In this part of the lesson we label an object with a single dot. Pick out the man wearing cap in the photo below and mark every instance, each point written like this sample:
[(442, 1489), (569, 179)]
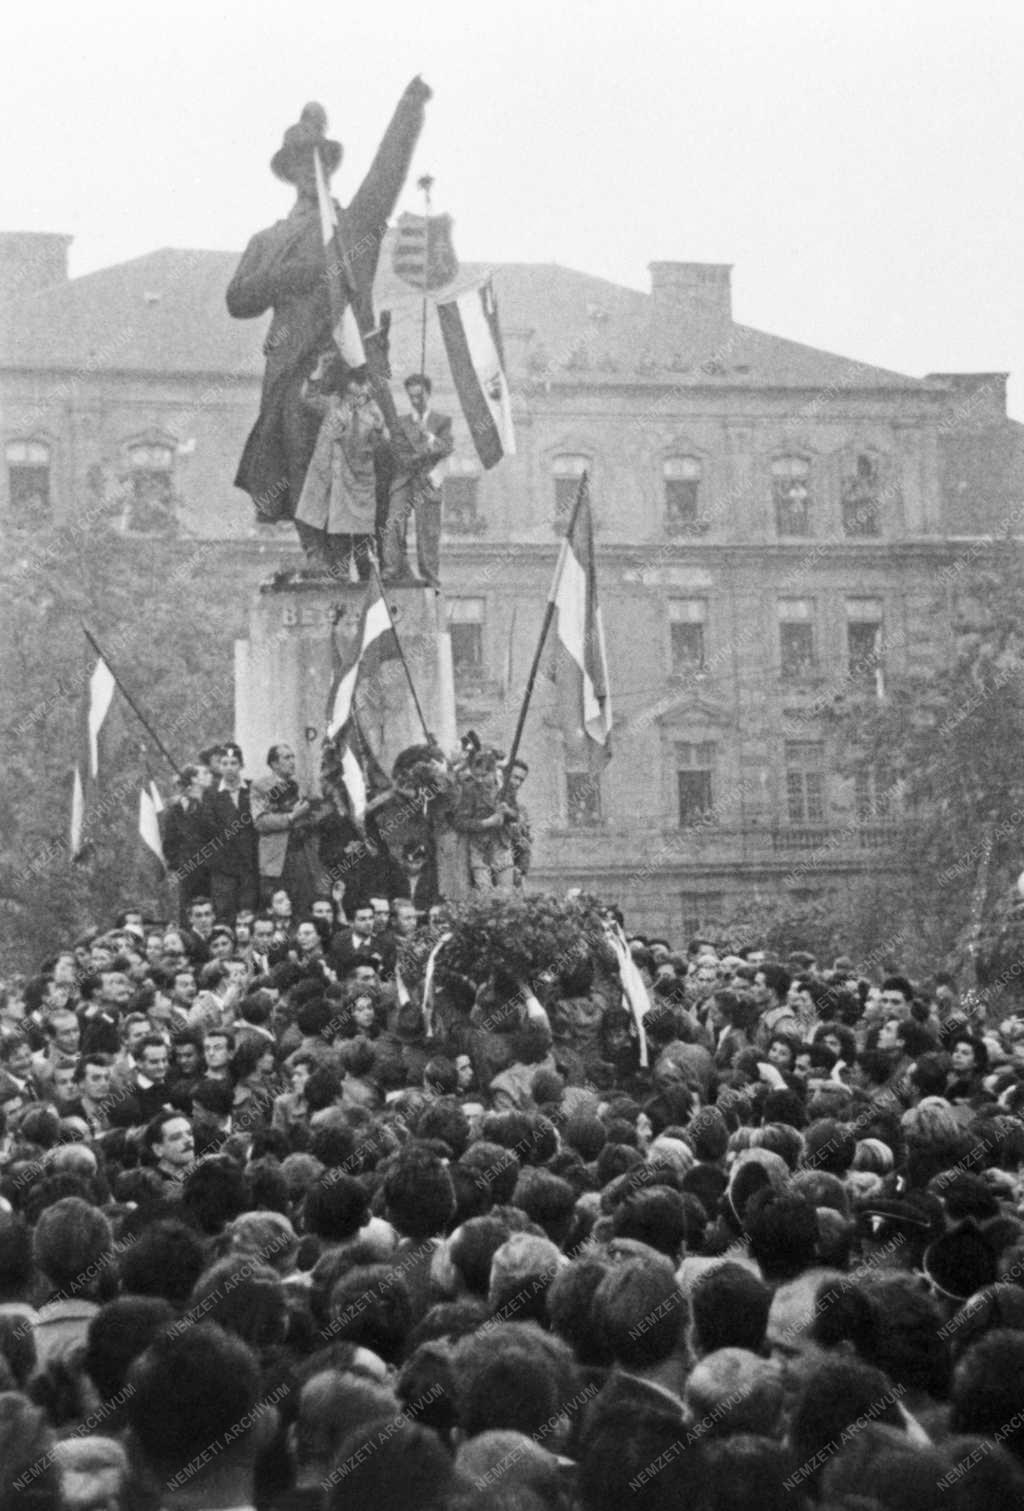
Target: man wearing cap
[(284, 268)]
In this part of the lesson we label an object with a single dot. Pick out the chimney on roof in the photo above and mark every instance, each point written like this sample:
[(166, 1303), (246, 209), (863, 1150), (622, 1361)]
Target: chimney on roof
[(32, 260), (975, 396), (693, 298)]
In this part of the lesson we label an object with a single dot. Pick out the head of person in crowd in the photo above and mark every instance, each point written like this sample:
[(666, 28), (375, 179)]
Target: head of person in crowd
[(213, 1379)]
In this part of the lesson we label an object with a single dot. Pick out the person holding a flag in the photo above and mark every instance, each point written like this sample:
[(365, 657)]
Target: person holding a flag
[(336, 515)]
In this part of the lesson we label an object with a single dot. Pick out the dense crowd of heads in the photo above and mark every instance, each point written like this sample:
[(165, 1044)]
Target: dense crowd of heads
[(276, 1232)]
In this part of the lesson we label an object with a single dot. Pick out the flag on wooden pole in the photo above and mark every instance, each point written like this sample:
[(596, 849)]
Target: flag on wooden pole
[(373, 643), (99, 694), (472, 339), (581, 664), (151, 806), (345, 326)]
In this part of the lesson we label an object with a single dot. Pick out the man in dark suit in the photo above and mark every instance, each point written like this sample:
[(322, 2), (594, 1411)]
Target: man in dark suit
[(356, 944), (231, 840), (418, 486), (183, 840)]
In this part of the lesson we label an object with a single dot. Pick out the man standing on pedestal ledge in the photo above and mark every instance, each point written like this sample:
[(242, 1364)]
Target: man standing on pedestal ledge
[(283, 820), (429, 435), (285, 269)]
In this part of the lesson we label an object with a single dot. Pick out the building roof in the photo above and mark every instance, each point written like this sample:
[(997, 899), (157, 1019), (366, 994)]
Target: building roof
[(164, 313)]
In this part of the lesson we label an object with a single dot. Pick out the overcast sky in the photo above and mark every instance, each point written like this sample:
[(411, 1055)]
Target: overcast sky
[(860, 164)]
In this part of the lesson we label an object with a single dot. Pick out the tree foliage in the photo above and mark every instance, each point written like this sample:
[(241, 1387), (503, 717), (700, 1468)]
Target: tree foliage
[(167, 613), (946, 748)]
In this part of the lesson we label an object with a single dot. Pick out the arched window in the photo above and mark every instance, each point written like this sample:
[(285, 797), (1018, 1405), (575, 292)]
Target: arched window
[(28, 480), (682, 479), (567, 470), (791, 492)]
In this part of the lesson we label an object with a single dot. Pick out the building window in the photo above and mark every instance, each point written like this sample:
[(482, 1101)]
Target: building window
[(28, 481), (796, 638), (805, 781), (461, 496), (860, 495), (151, 488), (466, 628), (874, 795), (792, 495), (682, 478), (687, 629), (864, 643), (568, 469), (695, 767), (582, 798), (700, 910)]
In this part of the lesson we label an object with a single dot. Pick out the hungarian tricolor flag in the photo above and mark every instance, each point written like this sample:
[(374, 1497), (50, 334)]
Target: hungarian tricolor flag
[(472, 339), (346, 328), (151, 806), (95, 707), (374, 642), (581, 664)]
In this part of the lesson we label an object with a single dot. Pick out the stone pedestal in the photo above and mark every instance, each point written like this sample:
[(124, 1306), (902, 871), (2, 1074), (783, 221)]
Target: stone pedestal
[(284, 672)]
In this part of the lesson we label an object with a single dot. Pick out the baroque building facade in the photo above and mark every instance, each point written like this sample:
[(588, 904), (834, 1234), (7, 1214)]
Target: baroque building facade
[(776, 527)]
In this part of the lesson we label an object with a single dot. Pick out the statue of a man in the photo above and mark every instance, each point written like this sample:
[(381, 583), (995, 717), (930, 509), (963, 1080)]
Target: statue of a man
[(285, 269)]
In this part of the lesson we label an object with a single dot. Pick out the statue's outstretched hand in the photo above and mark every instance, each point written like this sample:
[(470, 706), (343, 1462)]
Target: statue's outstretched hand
[(419, 89)]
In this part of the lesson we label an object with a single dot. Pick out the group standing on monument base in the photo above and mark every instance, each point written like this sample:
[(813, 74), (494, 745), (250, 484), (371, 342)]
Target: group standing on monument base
[(441, 830), (279, 1229)]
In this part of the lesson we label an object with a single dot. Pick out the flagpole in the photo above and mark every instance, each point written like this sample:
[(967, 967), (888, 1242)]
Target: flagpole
[(335, 271), (549, 614), (136, 710), (401, 652), (426, 183)]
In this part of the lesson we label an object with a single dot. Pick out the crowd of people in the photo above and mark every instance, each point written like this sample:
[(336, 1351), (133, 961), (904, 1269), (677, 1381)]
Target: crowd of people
[(284, 1225)]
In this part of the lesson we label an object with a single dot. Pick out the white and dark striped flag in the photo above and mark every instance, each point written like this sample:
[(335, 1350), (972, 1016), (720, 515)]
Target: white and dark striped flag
[(472, 339), (581, 663), (373, 643), (346, 328), (96, 705), (151, 805)]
